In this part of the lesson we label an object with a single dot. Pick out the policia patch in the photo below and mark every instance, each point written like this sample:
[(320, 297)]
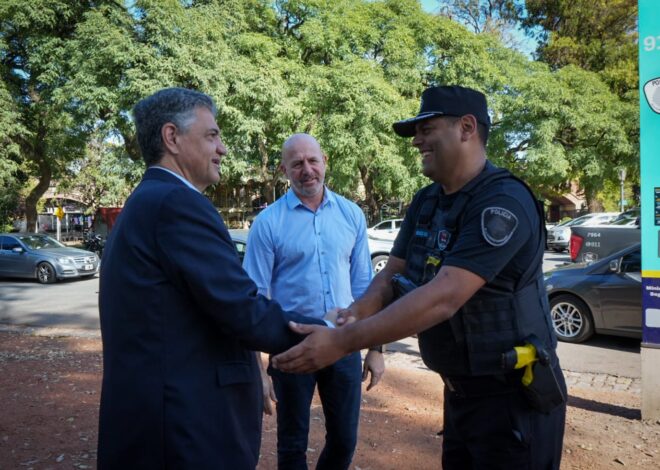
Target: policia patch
[(498, 225)]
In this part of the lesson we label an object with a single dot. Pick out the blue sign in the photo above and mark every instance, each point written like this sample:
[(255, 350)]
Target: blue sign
[(649, 108)]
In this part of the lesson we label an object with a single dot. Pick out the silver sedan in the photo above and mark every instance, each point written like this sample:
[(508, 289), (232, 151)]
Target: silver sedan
[(38, 256)]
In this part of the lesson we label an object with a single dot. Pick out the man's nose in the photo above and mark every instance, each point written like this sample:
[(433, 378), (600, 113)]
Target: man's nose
[(416, 140), (306, 167), (220, 148)]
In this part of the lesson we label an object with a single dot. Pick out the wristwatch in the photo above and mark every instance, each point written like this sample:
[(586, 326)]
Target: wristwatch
[(380, 349)]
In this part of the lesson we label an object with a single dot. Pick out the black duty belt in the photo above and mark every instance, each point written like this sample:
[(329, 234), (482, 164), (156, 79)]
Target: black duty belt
[(468, 387)]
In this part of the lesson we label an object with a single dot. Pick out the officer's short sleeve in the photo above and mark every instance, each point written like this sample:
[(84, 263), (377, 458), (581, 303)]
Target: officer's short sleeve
[(495, 228)]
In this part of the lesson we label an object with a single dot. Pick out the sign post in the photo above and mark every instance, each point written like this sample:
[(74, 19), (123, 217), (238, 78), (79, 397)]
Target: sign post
[(649, 82), (59, 212)]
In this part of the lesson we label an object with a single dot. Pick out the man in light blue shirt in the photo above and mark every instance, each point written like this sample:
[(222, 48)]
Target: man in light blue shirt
[(309, 252)]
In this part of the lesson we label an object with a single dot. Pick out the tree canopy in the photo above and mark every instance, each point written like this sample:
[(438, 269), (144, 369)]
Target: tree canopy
[(342, 70)]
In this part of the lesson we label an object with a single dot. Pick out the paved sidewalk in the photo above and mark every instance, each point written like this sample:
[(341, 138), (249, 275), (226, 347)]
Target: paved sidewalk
[(606, 382)]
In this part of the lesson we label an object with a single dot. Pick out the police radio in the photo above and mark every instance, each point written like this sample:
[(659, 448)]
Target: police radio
[(402, 285)]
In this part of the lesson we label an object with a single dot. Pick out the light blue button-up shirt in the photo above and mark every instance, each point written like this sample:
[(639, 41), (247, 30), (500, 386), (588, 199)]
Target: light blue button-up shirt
[(310, 262)]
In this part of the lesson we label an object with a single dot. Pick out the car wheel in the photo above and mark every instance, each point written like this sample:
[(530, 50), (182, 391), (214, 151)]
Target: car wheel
[(557, 250), (45, 273), (571, 319), (379, 262)]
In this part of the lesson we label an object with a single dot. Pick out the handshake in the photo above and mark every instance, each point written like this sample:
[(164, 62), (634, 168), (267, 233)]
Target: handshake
[(340, 316)]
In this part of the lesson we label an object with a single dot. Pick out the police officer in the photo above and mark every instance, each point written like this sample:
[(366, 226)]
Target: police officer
[(467, 277)]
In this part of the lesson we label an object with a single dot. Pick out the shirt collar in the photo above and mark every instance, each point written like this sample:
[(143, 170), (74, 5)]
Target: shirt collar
[(293, 201), (185, 181)]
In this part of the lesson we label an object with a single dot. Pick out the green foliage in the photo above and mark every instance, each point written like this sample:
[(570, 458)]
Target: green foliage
[(342, 70), (596, 35), (104, 177), (40, 124)]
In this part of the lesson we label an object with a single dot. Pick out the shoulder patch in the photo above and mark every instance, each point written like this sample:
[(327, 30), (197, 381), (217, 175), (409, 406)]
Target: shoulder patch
[(498, 225)]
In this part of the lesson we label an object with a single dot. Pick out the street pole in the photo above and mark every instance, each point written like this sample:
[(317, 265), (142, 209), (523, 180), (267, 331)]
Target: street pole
[(622, 179)]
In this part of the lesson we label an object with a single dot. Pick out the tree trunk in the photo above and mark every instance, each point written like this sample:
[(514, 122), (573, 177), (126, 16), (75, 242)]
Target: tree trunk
[(593, 203), (35, 150), (267, 180), (45, 176), (370, 197)]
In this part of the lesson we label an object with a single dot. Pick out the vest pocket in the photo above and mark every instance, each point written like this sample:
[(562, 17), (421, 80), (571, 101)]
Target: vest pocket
[(488, 334)]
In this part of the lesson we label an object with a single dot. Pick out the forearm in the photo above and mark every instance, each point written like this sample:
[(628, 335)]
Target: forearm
[(417, 311), (379, 294)]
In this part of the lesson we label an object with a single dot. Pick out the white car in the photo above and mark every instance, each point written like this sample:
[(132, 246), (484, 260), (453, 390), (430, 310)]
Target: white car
[(380, 253), (385, 230), (559, 236), (378, 249)]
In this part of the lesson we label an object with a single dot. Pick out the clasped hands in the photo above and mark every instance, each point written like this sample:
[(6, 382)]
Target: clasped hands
[(324, 346), (340, 316)]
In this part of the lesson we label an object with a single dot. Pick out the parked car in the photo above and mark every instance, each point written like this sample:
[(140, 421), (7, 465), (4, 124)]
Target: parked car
[(602, 297), (378, 249), (589, 244), (629, 218), (239, 237), (380, 253), (559, 236), (385, 230), (38, 256)]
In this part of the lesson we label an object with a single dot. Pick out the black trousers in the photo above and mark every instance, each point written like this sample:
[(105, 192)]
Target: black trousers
[(501, 432)]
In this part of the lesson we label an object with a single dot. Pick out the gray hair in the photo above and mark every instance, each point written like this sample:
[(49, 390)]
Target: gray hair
[(175, 105)]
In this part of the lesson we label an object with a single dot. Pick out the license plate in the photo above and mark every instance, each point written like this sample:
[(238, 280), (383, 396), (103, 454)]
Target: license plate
[(88, 267)]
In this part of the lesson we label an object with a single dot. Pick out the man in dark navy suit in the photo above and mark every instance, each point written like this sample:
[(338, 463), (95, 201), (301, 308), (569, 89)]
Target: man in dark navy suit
[(179, 316)]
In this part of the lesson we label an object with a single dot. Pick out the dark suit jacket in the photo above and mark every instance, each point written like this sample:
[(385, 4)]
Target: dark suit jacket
[(179, 318)]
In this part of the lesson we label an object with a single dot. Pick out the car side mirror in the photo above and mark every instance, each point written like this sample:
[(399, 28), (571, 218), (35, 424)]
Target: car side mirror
[(17, 249), (614, 265)]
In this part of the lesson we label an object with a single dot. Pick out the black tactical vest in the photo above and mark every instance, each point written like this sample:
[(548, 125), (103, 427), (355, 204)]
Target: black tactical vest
[(495, 319)]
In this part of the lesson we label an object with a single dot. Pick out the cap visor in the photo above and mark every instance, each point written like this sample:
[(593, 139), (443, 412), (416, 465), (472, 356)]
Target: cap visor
[(406, 128)]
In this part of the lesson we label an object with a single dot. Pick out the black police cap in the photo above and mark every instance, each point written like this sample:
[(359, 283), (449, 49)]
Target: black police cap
[(446, 101)]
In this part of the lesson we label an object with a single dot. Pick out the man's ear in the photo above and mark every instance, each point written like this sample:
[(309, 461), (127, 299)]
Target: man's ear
[(468, 127), (282, 168), (169, 136)]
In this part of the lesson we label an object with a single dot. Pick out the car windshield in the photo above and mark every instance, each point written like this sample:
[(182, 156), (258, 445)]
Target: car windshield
[(623, 221), (40, 242), (626, 217), (578, 221), (564, 223)]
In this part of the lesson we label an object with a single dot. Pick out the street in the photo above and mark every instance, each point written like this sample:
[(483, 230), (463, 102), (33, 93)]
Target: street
[(67, 304), (74, 305)]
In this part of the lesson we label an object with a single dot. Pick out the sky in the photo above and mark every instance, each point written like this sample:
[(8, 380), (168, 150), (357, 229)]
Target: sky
[(526, 45)]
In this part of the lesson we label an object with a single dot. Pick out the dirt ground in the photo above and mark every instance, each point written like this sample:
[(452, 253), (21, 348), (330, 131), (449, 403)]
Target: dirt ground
[(49, 394)]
